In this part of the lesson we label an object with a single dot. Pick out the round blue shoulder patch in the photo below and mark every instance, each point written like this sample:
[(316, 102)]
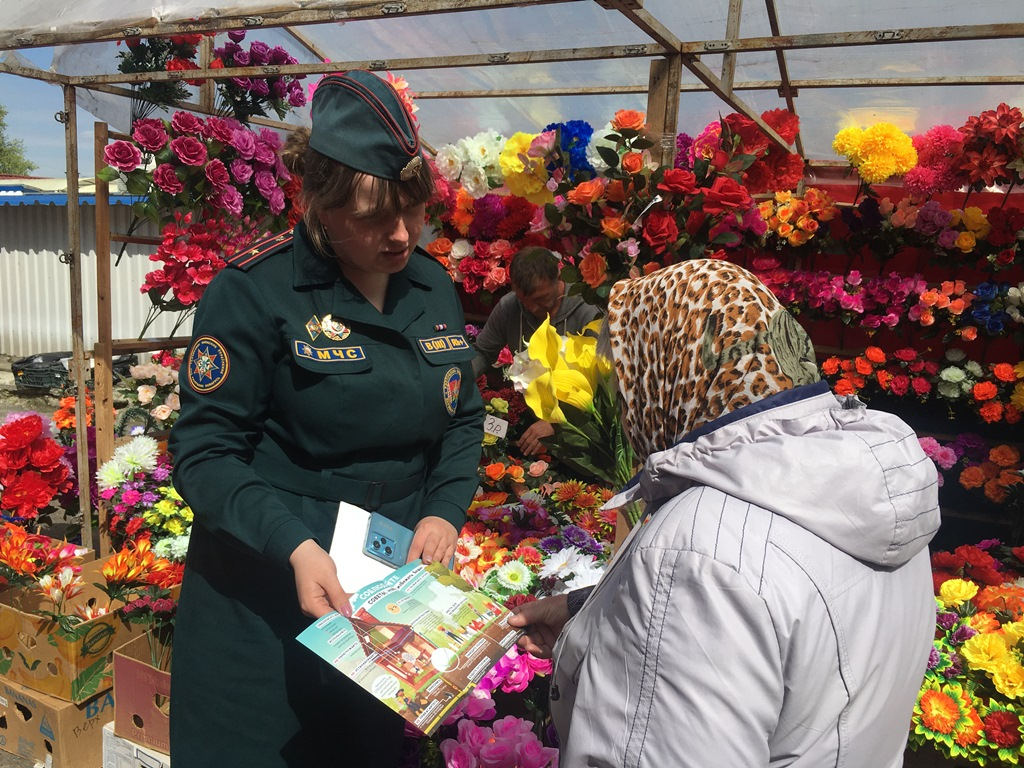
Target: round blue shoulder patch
[(452, 385), (208, 364)]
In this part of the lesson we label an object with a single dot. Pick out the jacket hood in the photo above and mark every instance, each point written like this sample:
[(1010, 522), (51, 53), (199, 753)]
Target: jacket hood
[(855, 477)]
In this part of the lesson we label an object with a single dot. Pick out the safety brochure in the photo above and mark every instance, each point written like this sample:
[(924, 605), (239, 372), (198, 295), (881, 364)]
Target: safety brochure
[(419, 640)]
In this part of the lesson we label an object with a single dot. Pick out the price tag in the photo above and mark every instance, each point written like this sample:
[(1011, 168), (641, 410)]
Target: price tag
[(495, 426)]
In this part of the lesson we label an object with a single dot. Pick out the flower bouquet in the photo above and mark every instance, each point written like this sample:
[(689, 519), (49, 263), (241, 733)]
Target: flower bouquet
[(34, 470), (969, 705), (136, 484), (151, 395), (175, 53), (566, 383), (244, 97)]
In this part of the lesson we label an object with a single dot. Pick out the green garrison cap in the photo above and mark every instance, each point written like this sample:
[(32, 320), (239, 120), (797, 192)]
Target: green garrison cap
[(359, 120)]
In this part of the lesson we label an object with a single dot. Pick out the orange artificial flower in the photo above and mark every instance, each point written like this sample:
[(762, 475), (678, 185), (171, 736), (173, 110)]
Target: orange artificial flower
[(957, 306), (462, 214), (495, 471), (983, 622), (984, 390), (439, 248), (968, 333), (844, 387), (863, 366), (629, 120), (1004, 372), (875, 355), (972, 477), (593, 269), (615, 227), (991, 412), (586, 192), (1004, 455), (884, 378), (517, 473), (650, 267), (995, 492), (926, 318), (831, 366), (632, 162), (616, 191)]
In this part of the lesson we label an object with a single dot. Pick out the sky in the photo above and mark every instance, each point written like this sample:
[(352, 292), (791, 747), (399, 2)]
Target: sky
[(31, 105)]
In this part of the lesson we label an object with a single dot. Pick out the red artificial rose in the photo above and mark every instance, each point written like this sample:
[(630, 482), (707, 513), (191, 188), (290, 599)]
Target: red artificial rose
[(678, 181), (921, 386), (948, 561), (1006, 257), (660, 230), (122, 155), (515, 600), (150, 134), (695, 221), (189, 150), (906, 354), (217, 174), (899, 385), (725, 195)]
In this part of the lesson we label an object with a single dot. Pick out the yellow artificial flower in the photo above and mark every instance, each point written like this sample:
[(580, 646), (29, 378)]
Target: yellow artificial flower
[(1008, 677), (1017, 396), (966, 241), (985, 652), (498, 405), (847, 142), (540, 397), (1014, 630), (956, 591), (528, 181)]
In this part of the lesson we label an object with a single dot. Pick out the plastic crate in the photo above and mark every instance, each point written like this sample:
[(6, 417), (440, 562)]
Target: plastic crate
[(49, 370)]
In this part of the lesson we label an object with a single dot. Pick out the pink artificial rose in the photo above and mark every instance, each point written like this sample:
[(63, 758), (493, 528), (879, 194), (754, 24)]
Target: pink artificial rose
[(244, 141), (498, 753), (531, 753), (190, 150), (271, 138), (241, 171), (504, 357), (537, 468), (473, 736), (276, 201), (217, 174), (265, 182), (218, 129), (542, 144), (511, 727), (123, 156), (167, 180), (264, 153), (502, 249), (495, 279), (457, 755), (187, 123), (230, 200), (150, 134), (479, 705)]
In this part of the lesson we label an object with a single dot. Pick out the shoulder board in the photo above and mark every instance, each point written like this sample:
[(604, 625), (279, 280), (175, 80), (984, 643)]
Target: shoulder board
[(248, 258)]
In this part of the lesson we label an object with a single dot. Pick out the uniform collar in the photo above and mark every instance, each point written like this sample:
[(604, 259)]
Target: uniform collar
[(310, 268)]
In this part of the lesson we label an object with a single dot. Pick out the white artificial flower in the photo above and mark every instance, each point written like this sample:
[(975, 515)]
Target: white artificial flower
[(461, 248), (562, 563), (474, 180), (955, 355), (161, 412), (974, 368), (952, 374), (523, 370), (164, 376), (173, 401), (146, 393), (514, 576), (111, 475), (484, 150), (173, 548), (599, 140), (587, 576), (138, 455), (949, 390), (449, 162)]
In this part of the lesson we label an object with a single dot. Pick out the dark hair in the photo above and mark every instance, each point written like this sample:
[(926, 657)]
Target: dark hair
[(533, 265), (328, 184)]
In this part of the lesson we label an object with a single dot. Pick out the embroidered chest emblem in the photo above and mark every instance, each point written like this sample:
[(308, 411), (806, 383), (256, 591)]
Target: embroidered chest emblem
[(452, 385)]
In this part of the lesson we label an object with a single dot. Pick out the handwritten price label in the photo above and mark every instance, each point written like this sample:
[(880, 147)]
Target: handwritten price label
[(495, 426)]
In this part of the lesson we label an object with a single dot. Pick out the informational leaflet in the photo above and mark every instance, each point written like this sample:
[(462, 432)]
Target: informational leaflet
[(419, 640)]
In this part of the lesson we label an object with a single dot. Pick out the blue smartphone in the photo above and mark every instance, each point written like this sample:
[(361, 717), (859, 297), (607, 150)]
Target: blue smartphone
[(387, 541)]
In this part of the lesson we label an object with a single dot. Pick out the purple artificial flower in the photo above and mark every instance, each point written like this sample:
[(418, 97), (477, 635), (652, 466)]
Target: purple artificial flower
[(946, 620), (161, 473), (260, 87), (279, 89), (683, 143), (230, 200), (934, 658), (551, 544), (962, 634), (241, 58), (237, 35), (988, 544), (577, 537), (149, 498), (277, 201), (259, 53), (242, 82), (296, 96), (264, 153), (271, 138)]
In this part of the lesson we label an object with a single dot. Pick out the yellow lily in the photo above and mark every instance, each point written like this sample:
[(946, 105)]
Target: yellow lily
[(540, 397)]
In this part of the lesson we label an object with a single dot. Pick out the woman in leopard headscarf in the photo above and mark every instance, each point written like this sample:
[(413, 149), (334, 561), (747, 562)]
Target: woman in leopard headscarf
[(775, 605)]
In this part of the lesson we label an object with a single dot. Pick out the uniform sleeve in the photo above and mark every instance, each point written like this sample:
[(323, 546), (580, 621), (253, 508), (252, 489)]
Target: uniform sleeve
[(495, 335), (708, 686), (212, 441), (452, 464)]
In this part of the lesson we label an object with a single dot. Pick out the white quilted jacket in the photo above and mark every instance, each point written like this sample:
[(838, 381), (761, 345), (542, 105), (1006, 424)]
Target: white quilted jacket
[(775, 609)]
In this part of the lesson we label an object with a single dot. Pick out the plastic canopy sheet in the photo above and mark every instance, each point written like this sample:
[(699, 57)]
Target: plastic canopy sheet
[(584, 24)]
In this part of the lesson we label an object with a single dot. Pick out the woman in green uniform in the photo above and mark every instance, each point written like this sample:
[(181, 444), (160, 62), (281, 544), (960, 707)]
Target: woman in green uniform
[(327, 364)]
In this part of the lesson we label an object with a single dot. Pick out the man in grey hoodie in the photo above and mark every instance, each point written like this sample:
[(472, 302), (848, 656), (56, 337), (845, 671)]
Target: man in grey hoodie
[(774, 606)]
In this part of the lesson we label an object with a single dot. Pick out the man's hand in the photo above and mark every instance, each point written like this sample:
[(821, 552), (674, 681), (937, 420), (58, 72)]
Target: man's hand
[(316, 581), (543, 620), (530, 443), (433, 541)]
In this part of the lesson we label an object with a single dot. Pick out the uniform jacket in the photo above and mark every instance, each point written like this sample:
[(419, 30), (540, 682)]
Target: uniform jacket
[(297, 394), (773, 609)]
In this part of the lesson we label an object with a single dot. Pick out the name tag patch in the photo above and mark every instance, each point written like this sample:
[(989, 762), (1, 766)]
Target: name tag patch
[(329, 354), (437, 344)]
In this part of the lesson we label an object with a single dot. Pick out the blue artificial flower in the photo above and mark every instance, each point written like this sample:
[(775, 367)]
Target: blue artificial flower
[(985, 291)]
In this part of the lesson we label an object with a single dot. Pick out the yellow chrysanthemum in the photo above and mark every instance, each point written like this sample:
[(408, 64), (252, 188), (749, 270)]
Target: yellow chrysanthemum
[(985, 652), (956, 591), (1014, 630), (880, 151), (1017, 396), (527, 181), (1008, 677), (847, 142)]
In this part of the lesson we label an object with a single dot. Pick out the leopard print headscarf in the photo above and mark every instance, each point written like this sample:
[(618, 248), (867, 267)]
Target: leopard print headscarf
[(697, 340)]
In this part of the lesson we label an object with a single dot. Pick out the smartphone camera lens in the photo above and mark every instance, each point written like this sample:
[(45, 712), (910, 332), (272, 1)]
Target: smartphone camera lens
[(376, 544), (388, 550)]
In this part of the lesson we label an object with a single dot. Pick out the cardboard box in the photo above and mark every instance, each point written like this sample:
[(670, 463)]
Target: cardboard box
[(52, 732), (72, 665), (143, 694), (119, 752)]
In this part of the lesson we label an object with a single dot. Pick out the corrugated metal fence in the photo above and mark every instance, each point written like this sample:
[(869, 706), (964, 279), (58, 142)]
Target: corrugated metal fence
[(35, 287)]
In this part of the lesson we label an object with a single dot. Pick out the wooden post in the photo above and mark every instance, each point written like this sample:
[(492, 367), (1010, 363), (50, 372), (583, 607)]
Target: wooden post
[(732, 32), (79, 366), (663, 107), (103, 375), (207, 89)]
